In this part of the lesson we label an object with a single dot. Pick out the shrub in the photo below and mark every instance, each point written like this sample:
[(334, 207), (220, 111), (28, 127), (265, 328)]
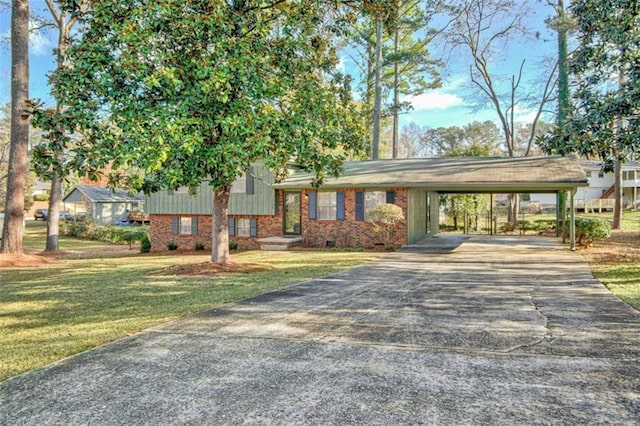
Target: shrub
[(145, 244), (384, 218), (111, 234), (41, 197), (590, 229), (199, 246), (171, 245), (233, 245), (129, 235)]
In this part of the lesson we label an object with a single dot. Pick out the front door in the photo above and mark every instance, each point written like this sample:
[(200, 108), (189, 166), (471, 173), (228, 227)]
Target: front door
[(292, 213)]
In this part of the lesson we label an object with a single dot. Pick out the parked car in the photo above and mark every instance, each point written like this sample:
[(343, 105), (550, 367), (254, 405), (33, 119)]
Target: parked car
[(43, 214)]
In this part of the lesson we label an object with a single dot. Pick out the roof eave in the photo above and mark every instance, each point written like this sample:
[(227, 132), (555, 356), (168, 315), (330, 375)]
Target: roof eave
[(450, 187)]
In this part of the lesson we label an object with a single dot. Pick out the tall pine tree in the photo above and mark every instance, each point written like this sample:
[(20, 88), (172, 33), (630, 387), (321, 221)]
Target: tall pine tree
[(605, 70)]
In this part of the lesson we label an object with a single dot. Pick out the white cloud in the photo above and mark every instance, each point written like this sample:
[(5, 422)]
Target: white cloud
[(39, 44), (434, 101), (525, 116)]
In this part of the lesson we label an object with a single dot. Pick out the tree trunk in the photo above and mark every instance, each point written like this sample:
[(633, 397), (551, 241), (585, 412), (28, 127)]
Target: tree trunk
[(564, 100), (64, 26), (378, 93), (220, 227), (12, 233), (617, 187), (53, 225), (396, 94), (514, 209)]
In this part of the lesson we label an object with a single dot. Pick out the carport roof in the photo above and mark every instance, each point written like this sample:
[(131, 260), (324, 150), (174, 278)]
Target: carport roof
[(456, 174)]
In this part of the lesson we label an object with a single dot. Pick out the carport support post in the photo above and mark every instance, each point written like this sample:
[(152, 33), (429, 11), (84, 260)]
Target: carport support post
[(491, 215), (434, 213), (572, 225), (558, 216)]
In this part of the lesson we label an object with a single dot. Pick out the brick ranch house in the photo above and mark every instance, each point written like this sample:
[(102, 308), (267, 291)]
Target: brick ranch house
[(263, 212)]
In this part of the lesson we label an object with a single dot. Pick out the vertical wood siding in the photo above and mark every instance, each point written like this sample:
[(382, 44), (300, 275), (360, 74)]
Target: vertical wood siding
[(261, 202), (416, 215)]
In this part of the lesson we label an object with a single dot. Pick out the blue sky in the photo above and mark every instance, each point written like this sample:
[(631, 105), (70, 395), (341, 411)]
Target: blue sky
[(447, 106)]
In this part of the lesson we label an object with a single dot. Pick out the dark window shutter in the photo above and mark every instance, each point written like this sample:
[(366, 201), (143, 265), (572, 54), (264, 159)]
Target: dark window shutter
[(277, 207), (174, 225), (249, 181), (232, 227), (340, 205), (253, 227), (359, 205), (313, 205), (391, 197), (194, 225)]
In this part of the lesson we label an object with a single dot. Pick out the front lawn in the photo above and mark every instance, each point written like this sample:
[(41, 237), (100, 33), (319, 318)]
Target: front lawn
[(74, 304), (623, 281), (616, 262)]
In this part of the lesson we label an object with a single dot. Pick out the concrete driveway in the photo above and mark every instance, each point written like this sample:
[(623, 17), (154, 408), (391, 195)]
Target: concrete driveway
[(452, 331)]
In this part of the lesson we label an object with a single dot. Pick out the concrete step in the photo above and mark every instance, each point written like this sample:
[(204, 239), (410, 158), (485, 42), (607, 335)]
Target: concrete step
[(278, 243)]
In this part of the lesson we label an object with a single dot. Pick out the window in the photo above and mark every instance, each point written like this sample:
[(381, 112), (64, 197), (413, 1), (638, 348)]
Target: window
[(601, 174), (327, 205), (239, 186), (368, 200), (588, 173), (243, 227), (184, 227), (244, 184), (373, 199), (628, 175)]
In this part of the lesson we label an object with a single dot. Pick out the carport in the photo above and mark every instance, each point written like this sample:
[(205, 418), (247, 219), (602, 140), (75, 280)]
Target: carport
[(504, 175), (424, 179)]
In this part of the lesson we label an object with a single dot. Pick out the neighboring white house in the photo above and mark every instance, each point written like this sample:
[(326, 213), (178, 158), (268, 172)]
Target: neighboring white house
[(599, 194), (102, 204)]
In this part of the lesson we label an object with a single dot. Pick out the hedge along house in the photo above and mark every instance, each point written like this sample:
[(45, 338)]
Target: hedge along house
[(262, 212)]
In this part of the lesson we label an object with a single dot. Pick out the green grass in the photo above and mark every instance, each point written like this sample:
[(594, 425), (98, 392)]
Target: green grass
[(621, 280), (68, 306), (34, 239)]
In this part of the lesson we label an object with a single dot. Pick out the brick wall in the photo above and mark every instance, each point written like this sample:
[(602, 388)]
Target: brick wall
[(349, 232), (161, 232), (315, 233)]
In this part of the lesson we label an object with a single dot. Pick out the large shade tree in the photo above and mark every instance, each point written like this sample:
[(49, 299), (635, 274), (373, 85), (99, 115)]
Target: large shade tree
[(12, 232), (199, 90), (605, 119), (47, 119)]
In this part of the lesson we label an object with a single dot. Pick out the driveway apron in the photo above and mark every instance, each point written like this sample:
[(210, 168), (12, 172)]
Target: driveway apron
[(454, 330)]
